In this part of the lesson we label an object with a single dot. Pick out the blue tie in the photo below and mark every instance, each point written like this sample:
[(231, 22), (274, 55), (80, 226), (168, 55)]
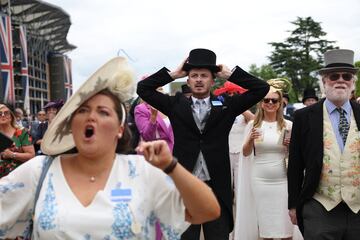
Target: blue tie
[(202, 109), (343, 125)]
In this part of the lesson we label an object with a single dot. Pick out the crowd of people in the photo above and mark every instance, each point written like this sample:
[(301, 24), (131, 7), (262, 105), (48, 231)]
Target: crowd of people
[(239, 162)]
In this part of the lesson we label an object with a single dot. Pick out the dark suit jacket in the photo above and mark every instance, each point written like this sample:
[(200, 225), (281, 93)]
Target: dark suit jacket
[(306, 154), (213, 141)]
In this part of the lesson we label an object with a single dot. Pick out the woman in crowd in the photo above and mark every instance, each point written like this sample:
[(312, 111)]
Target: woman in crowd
[(98, 193), (153, 124), (265, 149), (22, 148)]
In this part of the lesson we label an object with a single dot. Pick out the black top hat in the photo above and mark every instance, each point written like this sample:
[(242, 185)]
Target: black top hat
[(201, 58), (339, 60), (309, 93), (185, 89)]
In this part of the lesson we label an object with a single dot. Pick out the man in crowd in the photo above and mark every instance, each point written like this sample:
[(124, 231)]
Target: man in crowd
[(201, 126), (324, 161), (309, 97), (20, 120), (185, 89), (38, 129), (288, 108)]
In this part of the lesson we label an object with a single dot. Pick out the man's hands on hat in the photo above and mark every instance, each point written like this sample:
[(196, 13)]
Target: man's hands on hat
[(179, 72), (224, 72)]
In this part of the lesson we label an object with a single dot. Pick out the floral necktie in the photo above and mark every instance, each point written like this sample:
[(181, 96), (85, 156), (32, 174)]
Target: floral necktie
[(343, 125)]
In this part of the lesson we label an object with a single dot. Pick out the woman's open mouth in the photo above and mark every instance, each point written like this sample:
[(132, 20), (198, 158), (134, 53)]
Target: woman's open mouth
[(89, 131)]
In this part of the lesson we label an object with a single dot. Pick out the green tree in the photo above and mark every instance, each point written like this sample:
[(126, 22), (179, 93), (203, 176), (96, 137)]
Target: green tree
[(265, 71), (357, 83), (301, 54), (219, 82)]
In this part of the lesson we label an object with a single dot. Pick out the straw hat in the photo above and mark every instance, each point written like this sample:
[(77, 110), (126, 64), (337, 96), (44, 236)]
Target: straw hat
[(116, 75)]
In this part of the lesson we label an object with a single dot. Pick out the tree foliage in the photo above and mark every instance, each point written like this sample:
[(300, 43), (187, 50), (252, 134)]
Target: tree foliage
[(357, 83), (219, 82), (264, 72), (301, 54)]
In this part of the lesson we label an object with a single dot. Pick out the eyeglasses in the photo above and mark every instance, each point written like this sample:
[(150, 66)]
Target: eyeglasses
[(336, 76), (272, 100), (5, 113)]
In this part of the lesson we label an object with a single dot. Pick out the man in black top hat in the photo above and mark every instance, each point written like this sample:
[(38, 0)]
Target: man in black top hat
[(309, 97), (201, 126), (323, 170)]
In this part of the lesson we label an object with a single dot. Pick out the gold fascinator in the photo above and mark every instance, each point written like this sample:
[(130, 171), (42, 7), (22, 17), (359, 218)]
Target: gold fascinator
[(279, 84)]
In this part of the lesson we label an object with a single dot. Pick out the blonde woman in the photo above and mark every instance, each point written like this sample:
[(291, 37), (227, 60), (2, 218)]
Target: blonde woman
[(22, 148), (265, 148)]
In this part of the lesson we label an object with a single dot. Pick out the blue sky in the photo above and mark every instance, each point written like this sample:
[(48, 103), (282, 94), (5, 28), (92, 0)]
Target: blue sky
[(161, 33)]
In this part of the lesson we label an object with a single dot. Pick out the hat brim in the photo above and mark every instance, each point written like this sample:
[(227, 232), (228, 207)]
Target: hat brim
[(116, 75), (336, 69), (213, 68)]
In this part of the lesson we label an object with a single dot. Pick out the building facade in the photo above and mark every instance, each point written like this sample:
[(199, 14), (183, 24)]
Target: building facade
[(34, 66)]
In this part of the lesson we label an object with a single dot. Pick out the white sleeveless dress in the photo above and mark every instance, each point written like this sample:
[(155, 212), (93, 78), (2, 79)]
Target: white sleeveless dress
[(269, 184)]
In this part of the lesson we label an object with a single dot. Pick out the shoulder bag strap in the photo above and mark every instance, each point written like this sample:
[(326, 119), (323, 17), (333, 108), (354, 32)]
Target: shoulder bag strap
[(44, 171)]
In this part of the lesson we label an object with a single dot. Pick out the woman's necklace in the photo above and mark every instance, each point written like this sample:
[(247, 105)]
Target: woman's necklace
[(92, 179)]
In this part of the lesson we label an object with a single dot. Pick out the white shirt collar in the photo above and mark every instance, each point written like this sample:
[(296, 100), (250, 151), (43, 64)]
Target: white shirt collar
[(207, 100)]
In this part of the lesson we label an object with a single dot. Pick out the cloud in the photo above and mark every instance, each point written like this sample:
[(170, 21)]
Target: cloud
[(161, 33)]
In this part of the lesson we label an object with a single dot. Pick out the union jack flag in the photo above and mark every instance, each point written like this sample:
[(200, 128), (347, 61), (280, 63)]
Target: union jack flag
[(24, 67), (6, 59)]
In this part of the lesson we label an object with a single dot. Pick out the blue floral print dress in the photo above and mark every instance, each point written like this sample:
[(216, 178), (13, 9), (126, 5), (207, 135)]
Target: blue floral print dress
[(135, 196)]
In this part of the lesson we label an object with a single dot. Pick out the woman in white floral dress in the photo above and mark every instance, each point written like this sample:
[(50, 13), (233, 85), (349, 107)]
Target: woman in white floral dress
[(98, 193)]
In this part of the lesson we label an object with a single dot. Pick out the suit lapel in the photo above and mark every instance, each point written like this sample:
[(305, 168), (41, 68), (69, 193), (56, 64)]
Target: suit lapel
[(316, 119), (356, 111), (186, 111), (215, 113)]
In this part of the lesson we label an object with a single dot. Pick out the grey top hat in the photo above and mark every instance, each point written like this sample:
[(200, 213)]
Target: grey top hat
[(339, 60)]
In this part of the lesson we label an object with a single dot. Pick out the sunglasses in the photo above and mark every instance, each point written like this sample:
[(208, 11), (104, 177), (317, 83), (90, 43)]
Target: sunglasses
[(272, 100), (336, 76), (5, 113)]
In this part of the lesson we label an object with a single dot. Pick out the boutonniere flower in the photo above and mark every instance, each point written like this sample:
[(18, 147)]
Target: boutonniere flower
[(220, 98)]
